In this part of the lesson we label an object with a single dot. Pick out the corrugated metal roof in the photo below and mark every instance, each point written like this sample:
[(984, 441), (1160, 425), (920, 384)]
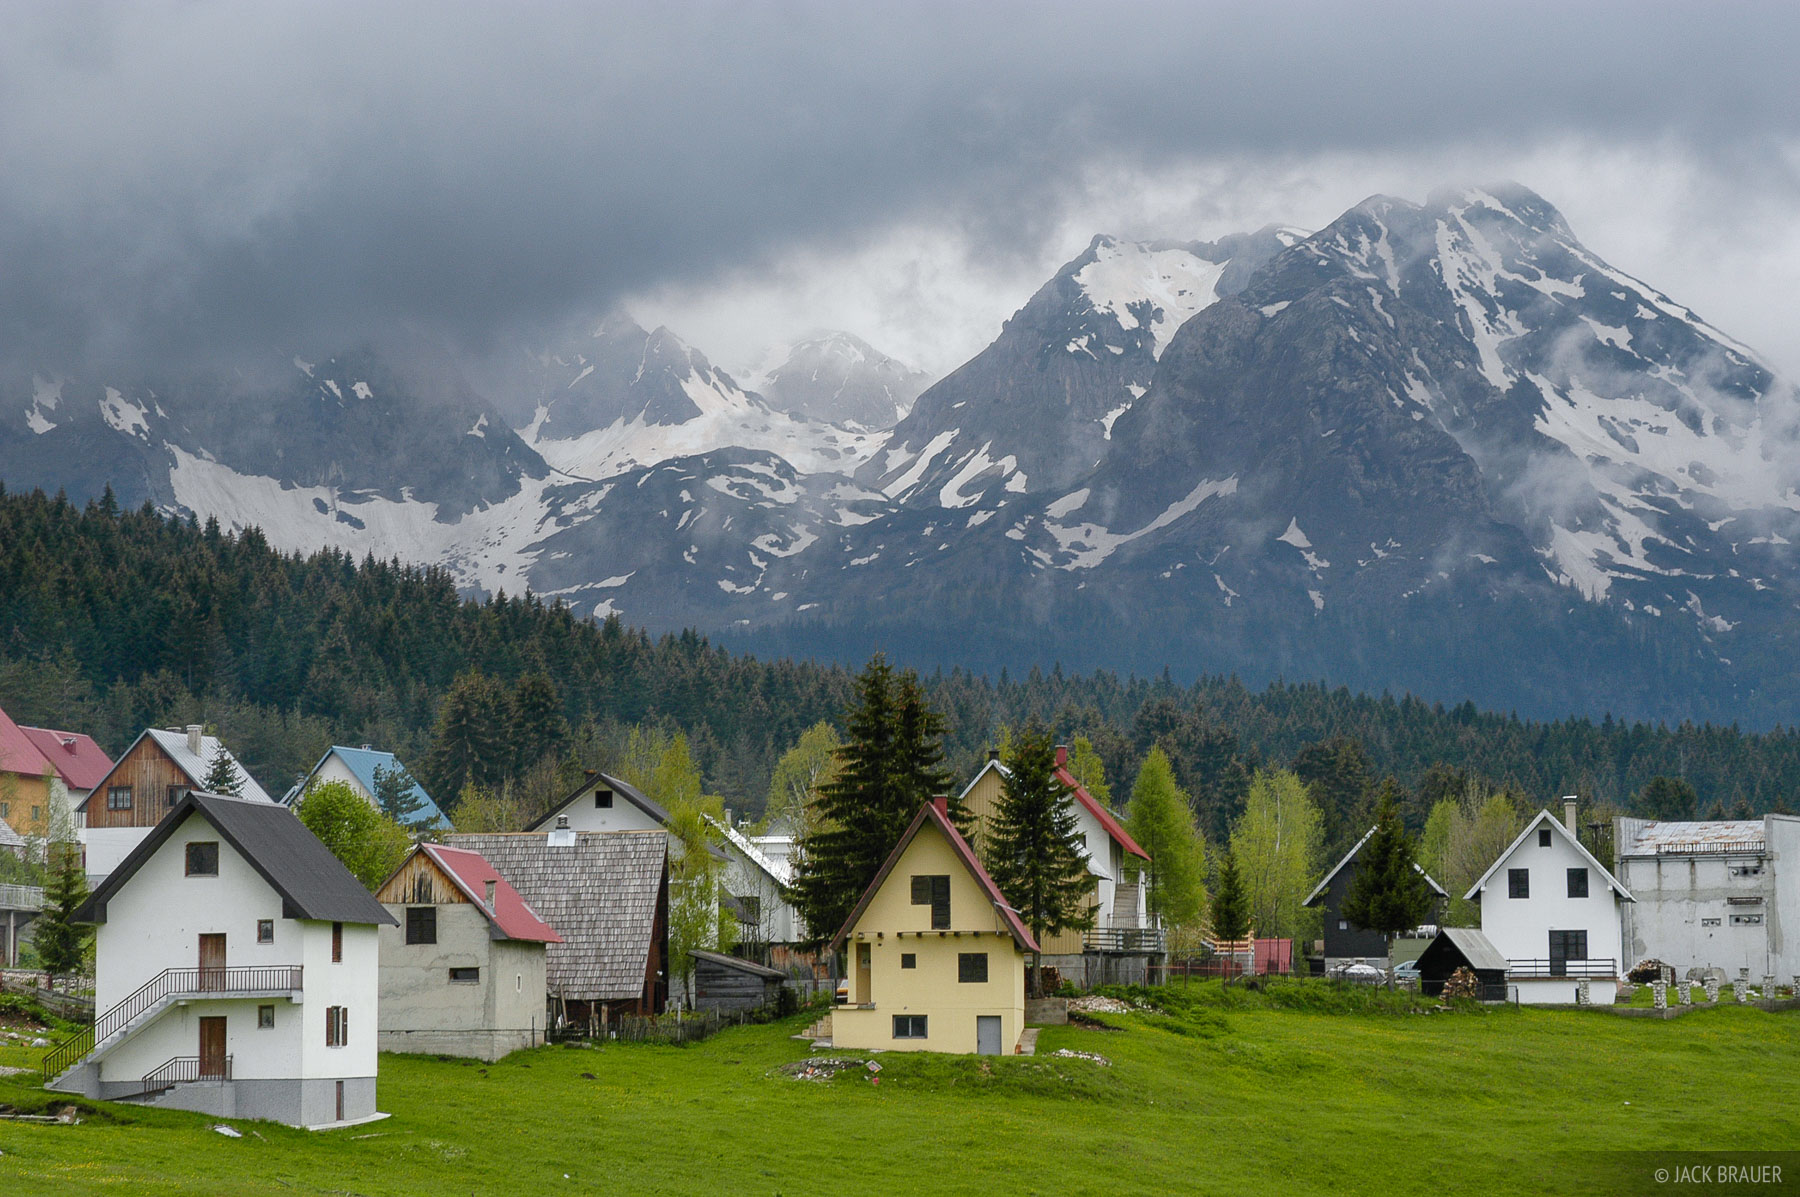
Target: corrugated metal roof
[(362, 763), (740, 964), (776, 869), (76, 757), (313, 883), (174, 744), (1475, 948), (471, 871), (1712, 837), (600, 893)]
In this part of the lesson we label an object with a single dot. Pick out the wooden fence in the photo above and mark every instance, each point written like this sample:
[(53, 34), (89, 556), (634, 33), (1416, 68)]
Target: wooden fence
[(71, 998)]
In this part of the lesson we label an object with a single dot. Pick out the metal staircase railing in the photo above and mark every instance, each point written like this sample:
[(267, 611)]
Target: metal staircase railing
[(180, 1070), (170, 983)]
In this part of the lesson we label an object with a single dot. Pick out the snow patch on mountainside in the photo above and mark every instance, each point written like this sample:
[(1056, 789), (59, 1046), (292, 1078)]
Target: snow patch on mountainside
[(1087, 545), (1125, 275)]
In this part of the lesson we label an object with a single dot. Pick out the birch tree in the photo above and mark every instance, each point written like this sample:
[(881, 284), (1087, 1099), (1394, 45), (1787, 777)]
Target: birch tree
[(1276, 843)]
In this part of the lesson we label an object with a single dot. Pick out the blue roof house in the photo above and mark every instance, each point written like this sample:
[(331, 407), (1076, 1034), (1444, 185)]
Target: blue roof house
[(356, 767)]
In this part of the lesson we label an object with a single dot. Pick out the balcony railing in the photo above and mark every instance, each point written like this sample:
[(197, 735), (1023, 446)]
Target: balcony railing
[(183, 1069), (169, 984), (1540, 969), (21, 897), (1124, 939)]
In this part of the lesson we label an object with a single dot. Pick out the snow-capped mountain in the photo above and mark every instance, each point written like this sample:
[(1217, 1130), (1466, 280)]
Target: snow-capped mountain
[(1034, 411), (838, 378), (610, 398)]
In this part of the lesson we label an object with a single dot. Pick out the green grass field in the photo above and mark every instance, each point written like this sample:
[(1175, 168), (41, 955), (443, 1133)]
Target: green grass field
[(1224, 1093)]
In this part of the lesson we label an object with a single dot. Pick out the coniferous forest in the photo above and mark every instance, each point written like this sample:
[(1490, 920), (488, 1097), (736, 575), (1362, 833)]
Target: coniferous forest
[(113, 620)]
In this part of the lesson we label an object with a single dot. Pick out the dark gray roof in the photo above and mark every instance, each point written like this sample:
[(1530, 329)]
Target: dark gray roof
[(313, 883), (739, 963), (1475, 948), (607, 781), (601, 893)]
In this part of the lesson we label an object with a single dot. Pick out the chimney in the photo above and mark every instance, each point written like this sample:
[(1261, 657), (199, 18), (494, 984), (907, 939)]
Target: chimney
[(942, 802), (368, 748), (729, 821), (563, 836), (490, 897), (193, 735), (993, 754), (591, 772), (1570, 802), (1062, 755)]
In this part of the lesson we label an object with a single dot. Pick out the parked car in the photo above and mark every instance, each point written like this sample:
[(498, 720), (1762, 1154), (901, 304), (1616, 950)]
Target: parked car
[(1407, 971)]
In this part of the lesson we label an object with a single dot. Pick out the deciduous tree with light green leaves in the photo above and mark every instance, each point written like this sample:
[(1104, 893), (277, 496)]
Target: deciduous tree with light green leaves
[(803, 771), (1276, 843), (1162, 822), (370, 844), (1086, 767), (697, 920)]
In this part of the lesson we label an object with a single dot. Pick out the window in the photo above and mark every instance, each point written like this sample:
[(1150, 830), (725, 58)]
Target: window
[(1578, 883), (1567, 945), (118, 798), (203, 859), (971, 967), (337, 943), (176, 794), (265, 1018), (37, 812), (909, 1026), (602, 799), (421, 924), (934, 892), (5, 809), (1543, 837), (908, 960), (1746, 920), (1343, 924), (465, 976), (265, 930), (1518, 883), (337, 1026), (1710, 922)]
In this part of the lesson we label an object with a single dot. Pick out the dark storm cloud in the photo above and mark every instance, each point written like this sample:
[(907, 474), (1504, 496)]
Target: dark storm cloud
[(189, 177)]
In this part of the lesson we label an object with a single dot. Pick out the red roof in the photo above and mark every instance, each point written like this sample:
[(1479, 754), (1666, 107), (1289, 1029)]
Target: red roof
[(17, 753), (76, 757), (512, 913), (1094, 808), (960, 846)]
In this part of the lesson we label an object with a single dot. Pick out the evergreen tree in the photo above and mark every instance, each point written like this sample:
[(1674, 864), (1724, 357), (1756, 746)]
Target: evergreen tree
[(1667, 798), (537, 726), (919, 771), (862, 812), (469, 744), (1162, 823), (1230, 905), (222, 776), (61, 942), (1035, 844), (1388, 894), (394, 794)]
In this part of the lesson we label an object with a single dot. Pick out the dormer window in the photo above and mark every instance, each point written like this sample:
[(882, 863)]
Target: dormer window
[(203, 859)]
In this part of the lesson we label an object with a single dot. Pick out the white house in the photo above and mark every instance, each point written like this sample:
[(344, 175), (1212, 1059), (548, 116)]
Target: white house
[(757, 883), (604, 803), (358, 769), (462, 969), (1552, 911), (1712, 894), (235, 972)]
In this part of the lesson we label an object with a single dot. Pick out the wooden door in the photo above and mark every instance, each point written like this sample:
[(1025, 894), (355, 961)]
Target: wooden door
[(212, 1048), (212, 962)]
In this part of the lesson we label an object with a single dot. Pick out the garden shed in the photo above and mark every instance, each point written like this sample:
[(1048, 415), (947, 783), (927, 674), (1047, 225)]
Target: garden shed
[(732, 984), (1462, 947)]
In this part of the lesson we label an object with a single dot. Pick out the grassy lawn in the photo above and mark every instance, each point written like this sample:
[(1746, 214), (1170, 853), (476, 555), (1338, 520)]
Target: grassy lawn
[(1228, 1093)]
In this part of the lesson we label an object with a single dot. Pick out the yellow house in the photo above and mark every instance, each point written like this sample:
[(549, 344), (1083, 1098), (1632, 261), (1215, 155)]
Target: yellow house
[(937, 957)]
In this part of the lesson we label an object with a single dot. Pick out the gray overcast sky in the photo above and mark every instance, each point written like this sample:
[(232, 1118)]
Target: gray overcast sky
[(198, 177)]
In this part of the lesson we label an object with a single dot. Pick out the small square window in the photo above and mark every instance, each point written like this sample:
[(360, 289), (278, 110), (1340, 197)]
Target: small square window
[(603, 799), (909, 1026), (908, 960), (1343, 924), (971, 968), (421, 924), (265, 930), (465, 976), (1543, 837), (118, 798), (265, 1018), (203, 859), (1578, 883), (1518, 883)]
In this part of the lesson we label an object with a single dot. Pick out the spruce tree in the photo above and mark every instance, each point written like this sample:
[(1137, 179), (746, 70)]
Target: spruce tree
[(1388, 894), (1230, 906), (1035, 845), (222, 776), (537, 725), (920, 774), (61, 942), (469, 744), (394, 794)]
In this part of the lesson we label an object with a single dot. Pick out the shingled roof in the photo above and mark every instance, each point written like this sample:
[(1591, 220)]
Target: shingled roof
[(313, 883), (600, 892)]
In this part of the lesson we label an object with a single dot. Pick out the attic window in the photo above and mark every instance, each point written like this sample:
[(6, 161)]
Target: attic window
[(421, 924), (1578, 887), (602, 799), (1518, 883), (933, 891), (1543, 837), (176, 794), (118, 798), (203, 859)]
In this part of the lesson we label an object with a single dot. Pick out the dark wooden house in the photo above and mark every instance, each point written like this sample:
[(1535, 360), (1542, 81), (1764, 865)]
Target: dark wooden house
[(731, 984), (1345, 942)]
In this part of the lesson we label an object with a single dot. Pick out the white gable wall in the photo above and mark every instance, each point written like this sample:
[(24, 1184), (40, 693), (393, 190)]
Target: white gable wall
[(1520, 927), (334, 769), (622, 815)]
